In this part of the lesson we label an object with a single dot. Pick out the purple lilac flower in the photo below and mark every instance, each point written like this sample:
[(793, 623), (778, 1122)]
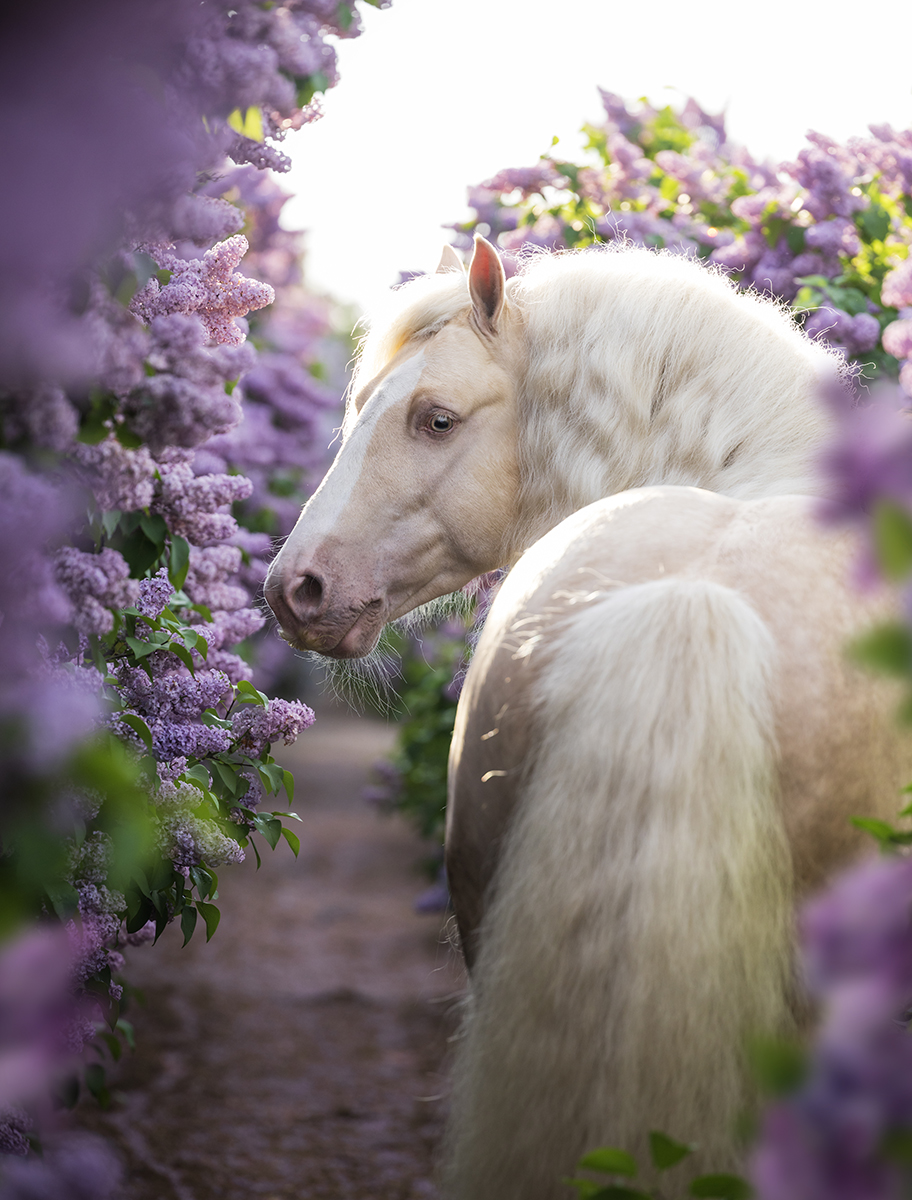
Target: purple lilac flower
[(120, 479), (94, 584), (208, 286), (72, 1167), (826, 1141), (254, 727), (37, 1007), (854, 335), (154, 594), (827, 172), (191, 505)]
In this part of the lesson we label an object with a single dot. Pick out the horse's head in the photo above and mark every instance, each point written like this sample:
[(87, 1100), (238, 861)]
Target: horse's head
[(421, 497)]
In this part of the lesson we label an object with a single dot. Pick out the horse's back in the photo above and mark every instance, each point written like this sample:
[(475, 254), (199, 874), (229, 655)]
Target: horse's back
[(839, 749)]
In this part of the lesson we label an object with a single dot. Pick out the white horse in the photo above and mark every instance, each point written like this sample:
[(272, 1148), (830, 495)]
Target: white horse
[(660, 740)]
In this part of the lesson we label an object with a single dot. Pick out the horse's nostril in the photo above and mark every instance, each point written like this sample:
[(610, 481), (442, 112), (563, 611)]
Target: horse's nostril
[(309, 594)]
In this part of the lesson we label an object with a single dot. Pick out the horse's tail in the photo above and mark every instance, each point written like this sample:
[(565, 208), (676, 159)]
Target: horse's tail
[(640, 927)]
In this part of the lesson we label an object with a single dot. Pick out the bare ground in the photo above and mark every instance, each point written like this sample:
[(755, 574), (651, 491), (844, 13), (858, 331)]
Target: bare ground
[(302, 1053)]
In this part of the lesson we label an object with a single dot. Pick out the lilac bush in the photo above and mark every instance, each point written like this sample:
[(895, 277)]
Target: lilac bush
[(138, 424)]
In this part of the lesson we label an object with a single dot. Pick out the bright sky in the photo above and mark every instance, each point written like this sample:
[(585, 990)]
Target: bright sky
[(440, 94)]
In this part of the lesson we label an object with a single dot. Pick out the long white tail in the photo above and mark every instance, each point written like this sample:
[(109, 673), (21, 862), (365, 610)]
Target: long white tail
[(640, 929)]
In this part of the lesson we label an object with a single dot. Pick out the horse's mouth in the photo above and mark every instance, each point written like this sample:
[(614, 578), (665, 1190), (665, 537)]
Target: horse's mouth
[(358, 640)]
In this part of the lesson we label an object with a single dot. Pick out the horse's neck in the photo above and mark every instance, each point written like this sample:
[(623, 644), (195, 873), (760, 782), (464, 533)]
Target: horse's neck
[(588, 433)]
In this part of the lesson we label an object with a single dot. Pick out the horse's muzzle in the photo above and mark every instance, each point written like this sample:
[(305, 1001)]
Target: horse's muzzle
[(311, 621)]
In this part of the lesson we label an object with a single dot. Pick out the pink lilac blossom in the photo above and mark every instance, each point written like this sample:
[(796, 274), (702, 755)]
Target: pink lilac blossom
[(897, 338), (897, 285)]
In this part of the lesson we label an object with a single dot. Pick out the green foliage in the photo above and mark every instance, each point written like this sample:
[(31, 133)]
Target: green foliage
[(423, 744), (665, 1154)]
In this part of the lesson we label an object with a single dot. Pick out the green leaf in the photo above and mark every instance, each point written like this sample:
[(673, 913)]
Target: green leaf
[(188, 923), (179, 561), (127, 438), (228, 779), (293, 840), (886, 834), (897, 1147), (288, 780), (270, 776), (184, 655), (109, 521), (198, 776), (247, 693), (609, 1161), (887, 648), (154, 527), (665, 1151), (779, 1066), (721, 1187), (874, 222), (140, 648), (115, 1048), (97, 1084), (269, 827), (138, 725), (893, 539), (139, 551), (125, 1028), (204, 881), (210, 915), (794, 236)]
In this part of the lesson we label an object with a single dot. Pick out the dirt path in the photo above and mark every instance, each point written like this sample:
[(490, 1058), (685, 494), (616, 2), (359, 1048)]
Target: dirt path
[(301, 1054)]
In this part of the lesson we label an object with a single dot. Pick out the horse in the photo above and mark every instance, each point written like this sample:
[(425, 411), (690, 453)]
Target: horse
[(660, 738)]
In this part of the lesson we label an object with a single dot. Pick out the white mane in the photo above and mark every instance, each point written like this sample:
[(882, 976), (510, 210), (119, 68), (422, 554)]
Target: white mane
[(643, 368)]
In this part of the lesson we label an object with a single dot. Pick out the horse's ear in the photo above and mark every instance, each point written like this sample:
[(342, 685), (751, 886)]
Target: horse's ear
[(487, 284), (449, 261)]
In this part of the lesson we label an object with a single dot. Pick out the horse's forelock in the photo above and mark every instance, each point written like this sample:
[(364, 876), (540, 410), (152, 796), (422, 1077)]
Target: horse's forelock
[(416, 309)]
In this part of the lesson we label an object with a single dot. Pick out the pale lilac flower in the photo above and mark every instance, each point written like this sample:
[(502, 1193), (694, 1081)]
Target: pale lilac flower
[(897, 338), (897, 285)]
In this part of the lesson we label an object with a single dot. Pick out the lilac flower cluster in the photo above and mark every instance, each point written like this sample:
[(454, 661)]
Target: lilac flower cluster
[(169, 87), (830, 232), (95, 584), (254, 728), (208, 286), (123, 352), (844, 1134)]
